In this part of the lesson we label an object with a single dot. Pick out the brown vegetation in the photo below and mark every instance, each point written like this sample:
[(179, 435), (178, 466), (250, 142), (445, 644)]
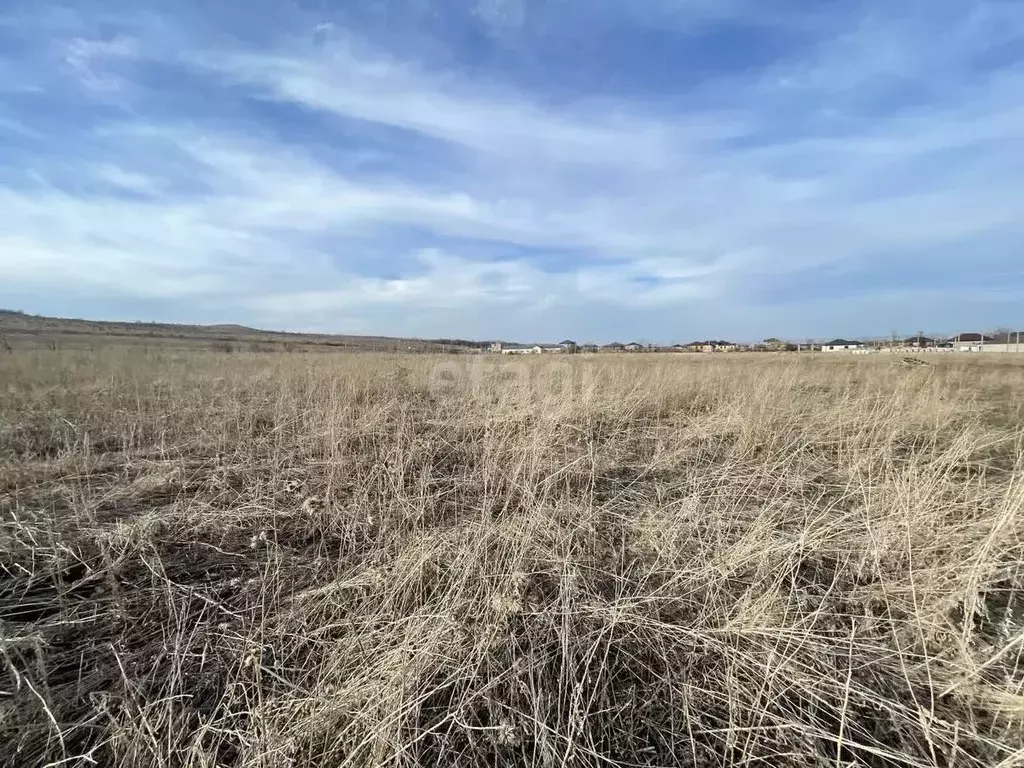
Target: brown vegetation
[(310, 560)]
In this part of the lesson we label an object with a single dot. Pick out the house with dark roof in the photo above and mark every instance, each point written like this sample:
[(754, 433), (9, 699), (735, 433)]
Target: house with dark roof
[(1005, 341), (919, 342), (843, 345), (713, 345), (970, 342), (972, 338), (1008, 337)]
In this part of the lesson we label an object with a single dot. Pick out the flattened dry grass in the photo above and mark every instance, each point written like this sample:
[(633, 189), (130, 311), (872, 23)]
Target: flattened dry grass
[(232, 560)]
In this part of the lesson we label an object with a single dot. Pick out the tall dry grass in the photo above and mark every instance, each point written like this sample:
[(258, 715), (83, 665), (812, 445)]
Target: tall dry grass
[(213, 560)]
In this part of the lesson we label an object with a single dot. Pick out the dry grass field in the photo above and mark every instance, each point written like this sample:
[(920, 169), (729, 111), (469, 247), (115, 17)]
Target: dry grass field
[(357, 560)]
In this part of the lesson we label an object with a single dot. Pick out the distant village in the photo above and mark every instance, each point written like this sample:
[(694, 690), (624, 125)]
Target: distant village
[(999, 341)]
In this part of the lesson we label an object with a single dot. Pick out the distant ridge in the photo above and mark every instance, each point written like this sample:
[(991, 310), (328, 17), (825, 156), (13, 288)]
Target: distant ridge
[(20, 329), (232, 328)]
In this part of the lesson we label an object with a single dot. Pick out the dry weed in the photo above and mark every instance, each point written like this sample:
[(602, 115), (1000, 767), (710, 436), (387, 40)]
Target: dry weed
[(305, 561)]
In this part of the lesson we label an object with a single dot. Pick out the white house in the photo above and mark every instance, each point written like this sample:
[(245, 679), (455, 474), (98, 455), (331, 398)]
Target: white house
[(522, 351), (842, 345)]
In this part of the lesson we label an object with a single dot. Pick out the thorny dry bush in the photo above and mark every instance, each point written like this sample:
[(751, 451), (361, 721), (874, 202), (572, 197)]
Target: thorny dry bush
[(621, 561)]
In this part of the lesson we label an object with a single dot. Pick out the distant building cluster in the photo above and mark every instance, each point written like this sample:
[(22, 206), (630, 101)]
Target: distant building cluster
[(844, 345), (566, 347), (1003, 341)]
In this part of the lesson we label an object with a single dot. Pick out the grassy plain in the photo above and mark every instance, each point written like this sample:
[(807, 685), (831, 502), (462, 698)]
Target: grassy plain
[(213, 559)]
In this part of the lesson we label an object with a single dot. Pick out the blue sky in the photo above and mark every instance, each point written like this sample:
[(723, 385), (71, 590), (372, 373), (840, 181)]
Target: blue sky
[(656, 169)]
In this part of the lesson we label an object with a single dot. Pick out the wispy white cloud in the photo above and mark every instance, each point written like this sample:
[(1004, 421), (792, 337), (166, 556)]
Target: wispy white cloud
[(17, 127), (741, 197), (130, 181), (88, 60), (485, 119), (501, 17)]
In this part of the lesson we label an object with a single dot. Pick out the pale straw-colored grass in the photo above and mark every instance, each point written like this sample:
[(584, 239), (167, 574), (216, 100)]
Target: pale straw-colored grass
[(287, 560)]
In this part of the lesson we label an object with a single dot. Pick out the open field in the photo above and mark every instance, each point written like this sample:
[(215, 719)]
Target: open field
[(359, 560)]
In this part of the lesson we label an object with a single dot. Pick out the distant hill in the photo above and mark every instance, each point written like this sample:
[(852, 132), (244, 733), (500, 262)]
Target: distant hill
[(22, 330), (231, 328)]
